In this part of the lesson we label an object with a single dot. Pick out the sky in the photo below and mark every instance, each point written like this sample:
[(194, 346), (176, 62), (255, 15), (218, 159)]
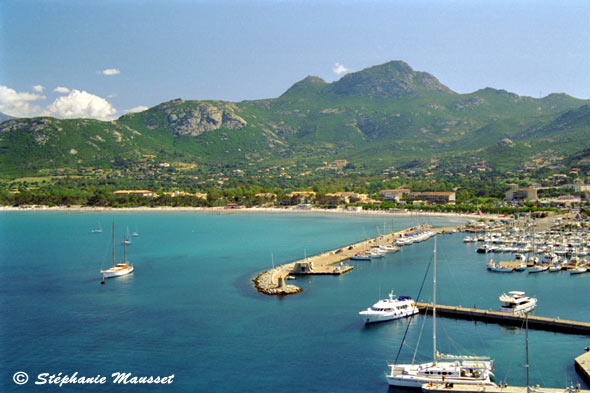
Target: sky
[(102, 59)]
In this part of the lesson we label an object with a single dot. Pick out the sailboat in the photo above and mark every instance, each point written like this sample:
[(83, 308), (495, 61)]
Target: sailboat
[(119, 269), (464, 370), (126, 239), (97, 230)]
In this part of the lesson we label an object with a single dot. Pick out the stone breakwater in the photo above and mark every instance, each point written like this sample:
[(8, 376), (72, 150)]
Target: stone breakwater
[(273, 281), (268, 282)]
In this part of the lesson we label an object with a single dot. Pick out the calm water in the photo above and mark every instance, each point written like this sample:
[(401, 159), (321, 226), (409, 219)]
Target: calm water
[(190, 308)]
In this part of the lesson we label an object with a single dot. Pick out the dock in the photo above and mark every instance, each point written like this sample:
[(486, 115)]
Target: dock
[(272, 281), (582, 364), (535, 322), (472, 388)]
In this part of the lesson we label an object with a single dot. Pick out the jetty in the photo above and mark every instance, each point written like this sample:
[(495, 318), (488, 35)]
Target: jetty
[(582, 363), (535, 322), (273, 281), (472, 388)]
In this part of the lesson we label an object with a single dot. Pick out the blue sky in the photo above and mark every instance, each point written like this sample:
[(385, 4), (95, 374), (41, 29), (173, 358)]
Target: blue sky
[(155, 51)]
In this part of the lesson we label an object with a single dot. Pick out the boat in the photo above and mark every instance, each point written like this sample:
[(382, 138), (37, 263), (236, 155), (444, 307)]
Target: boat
[(388, 309), (97, 230), (463, 370), (119, 269), (579, 270), (360, 257), (127, 238), (517, 303), (494, 267), (539, 268)]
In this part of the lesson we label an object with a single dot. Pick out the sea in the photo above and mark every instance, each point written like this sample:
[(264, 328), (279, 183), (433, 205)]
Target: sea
[(191, 313)]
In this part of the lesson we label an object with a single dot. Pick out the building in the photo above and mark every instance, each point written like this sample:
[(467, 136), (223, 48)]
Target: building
[(344, 197), (143, 193), (566, 201), (394, 195), (519, 194), (433, 196)]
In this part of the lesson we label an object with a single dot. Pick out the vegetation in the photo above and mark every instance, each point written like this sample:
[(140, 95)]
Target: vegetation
[(384, 127)]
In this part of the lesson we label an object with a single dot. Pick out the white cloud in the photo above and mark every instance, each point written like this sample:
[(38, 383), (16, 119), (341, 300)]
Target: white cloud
[(38, 88), (61, 89), (111, 71), (81, 104), (140, 108), (17, 104), (340, 69)]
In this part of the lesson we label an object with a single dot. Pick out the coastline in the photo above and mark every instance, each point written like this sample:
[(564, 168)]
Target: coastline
[(223, 210)]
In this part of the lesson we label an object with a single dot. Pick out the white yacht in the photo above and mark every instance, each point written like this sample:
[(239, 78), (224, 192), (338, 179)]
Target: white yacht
[(463, 370), (517, 303), (388, 309)]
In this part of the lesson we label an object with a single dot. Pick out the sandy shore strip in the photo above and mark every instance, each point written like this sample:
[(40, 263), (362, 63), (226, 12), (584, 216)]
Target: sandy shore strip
[(223, 210)]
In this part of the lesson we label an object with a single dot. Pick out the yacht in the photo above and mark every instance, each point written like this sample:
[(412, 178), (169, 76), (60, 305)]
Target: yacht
[(517, 303), (463, 370), (388, 309)]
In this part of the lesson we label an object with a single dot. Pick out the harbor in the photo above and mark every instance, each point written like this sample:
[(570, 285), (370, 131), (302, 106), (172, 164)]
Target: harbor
[(273, 281), (187, 275)]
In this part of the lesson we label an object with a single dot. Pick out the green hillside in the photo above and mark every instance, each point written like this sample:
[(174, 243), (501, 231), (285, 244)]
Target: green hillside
[(386, 116)]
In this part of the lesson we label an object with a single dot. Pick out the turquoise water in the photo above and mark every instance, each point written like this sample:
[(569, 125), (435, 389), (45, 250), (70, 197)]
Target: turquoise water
[(191, 310)]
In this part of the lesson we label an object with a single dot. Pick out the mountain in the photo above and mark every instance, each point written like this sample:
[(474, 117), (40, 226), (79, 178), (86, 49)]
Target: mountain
[(4, 117), (381, 117)]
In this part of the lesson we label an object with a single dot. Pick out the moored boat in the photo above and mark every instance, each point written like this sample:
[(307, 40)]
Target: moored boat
[(118, 269), (515, 302), (463, 370), (387, 309)]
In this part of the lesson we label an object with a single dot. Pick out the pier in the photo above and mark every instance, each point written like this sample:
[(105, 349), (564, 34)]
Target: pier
[(468, 388), (273, 281), (535, 322), (582, 363)]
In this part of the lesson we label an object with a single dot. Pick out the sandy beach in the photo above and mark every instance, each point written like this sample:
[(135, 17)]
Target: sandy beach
[(223, 210)]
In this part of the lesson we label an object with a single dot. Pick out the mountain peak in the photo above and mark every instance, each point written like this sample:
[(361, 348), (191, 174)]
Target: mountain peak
[(392, 79), (309, 83)]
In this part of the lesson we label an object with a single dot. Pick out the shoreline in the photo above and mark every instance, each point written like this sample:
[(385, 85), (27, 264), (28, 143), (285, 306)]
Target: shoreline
[(223, 210)]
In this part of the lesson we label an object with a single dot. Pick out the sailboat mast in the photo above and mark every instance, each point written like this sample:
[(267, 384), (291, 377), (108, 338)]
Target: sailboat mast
[(434, 308), (526, 318), (113, 244), (124, 250)]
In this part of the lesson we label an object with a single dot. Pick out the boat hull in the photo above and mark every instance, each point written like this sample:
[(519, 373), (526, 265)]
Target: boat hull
[(116, 273), (369, 317)]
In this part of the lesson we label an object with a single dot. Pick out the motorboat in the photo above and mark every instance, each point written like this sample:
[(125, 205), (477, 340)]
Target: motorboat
[(539, 268), (360, 257), (387, 309), (515, 302)]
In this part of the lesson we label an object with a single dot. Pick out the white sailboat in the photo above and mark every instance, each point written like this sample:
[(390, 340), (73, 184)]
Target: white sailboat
[(97, 230), (118, 269), (464, 370)]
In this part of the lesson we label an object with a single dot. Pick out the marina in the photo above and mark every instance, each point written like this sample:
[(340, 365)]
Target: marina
[(195, 269)]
